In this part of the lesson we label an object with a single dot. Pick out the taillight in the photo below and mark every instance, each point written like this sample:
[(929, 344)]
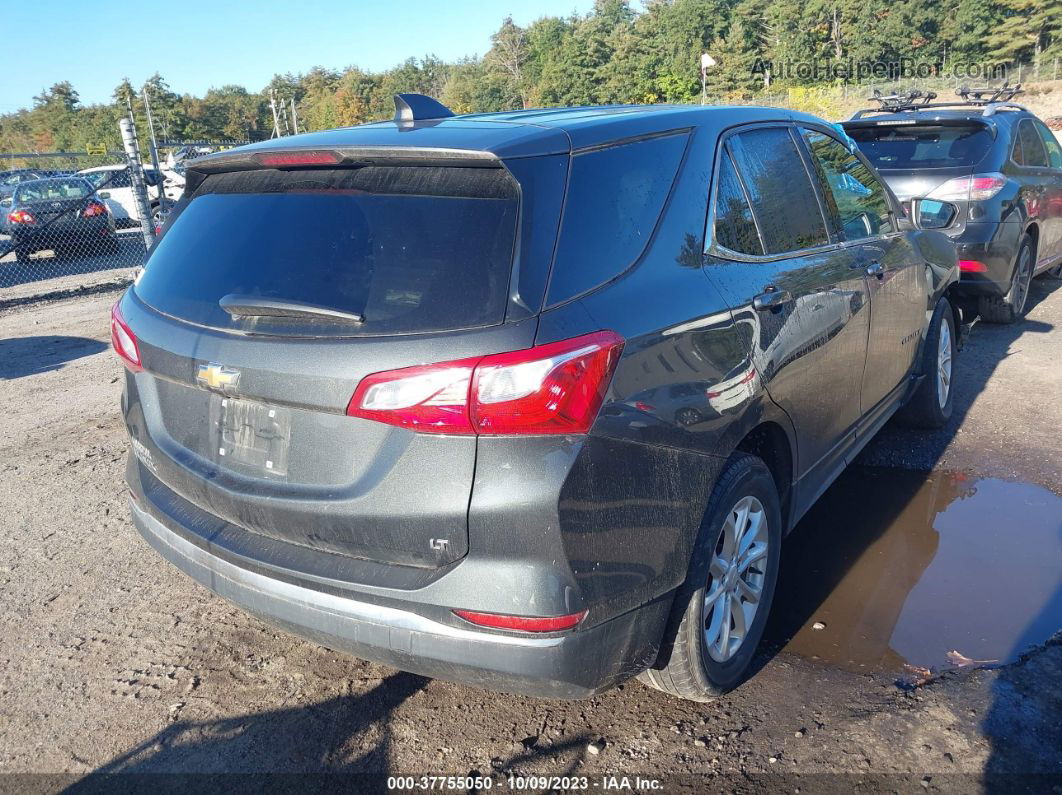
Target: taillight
[(305, 158), (124, 341), (522, 623), (975, 188), (21, 217), (93, 210), (431, 399), (972, 266), (553, 388)]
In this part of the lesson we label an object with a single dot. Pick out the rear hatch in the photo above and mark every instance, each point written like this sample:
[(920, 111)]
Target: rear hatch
[(916, 158), (271, 295)]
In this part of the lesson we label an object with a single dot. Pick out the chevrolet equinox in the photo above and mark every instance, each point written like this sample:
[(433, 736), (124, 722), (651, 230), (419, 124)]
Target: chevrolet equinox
[(526, 400)]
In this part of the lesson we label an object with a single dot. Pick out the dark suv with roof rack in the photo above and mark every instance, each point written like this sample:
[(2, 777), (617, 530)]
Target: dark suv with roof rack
[(529, 399), (986, 172)]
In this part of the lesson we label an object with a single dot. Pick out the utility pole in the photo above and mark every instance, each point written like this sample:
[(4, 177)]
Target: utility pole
[(159, 178), (294, 118), (136, 174), (276, 119)]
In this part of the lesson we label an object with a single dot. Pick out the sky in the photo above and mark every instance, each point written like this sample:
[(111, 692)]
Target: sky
[(195, 47)]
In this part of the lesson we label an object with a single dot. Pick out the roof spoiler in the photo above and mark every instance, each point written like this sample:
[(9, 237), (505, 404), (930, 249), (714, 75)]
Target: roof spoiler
[(411, 108)]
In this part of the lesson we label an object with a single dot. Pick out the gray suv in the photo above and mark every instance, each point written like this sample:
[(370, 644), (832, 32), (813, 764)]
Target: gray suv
[(987, 173), (397, 388)]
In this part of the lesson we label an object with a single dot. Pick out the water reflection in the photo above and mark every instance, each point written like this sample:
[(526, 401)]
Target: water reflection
[(903, 567)]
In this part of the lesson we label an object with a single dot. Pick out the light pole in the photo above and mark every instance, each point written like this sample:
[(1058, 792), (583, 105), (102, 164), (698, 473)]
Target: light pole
[(707, 62)]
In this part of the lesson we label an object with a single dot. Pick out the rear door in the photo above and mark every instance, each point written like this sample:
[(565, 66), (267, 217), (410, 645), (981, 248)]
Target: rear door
[(895, 276), (1050, 187), (772, 253), (243, 416)]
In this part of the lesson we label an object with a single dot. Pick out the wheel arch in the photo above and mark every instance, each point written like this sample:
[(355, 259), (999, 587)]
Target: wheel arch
[(770, 442)]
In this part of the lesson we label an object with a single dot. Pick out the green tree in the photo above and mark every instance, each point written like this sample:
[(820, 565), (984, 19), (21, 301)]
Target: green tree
[(1028, 29)]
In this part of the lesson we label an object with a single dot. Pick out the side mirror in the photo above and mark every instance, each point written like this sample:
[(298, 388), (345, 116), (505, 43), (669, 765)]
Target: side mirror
[(104, 194), (933, 214)]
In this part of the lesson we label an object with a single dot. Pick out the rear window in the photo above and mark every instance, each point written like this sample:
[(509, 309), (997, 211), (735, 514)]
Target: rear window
[(923, 145), (410, 249), (51, 190)]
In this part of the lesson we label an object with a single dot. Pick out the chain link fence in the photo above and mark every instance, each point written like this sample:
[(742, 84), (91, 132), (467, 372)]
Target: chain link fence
[(72, 219)]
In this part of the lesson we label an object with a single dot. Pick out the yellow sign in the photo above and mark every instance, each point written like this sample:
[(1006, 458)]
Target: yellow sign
[(96, 149)]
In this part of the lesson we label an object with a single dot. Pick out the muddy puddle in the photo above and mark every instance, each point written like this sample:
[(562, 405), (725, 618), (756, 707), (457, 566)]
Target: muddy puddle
[(894, 567)]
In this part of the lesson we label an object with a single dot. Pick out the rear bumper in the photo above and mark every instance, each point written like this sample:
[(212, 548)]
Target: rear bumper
[(84, 232), (571, 665), (995, 245)]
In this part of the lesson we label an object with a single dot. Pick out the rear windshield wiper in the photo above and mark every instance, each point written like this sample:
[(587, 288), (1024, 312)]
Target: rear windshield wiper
[(259, 306)]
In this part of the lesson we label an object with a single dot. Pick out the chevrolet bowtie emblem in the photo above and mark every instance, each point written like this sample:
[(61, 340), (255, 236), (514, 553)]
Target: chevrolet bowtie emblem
[(218, 377)]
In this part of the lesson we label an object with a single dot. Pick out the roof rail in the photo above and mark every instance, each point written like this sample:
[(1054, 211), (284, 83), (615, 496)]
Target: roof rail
[(411, 108), (992, 107)]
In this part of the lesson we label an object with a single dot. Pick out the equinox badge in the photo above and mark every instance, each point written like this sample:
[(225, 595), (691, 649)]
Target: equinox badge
[(218, 377)]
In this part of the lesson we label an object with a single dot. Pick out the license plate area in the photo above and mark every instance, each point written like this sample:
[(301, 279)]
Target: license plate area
[(251, 437)]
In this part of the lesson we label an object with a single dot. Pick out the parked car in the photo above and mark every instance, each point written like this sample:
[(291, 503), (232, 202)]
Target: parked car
[(116, 182), (9, 179), (413, 432), (59, 213), (985, 171)]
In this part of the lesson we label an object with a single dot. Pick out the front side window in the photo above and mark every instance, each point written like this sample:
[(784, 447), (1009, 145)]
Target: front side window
[(779, 189), (1054, 150), (734, 227), (853, 193)]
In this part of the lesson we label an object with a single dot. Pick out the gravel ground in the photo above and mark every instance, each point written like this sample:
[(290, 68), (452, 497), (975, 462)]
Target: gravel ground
[(113, 661)]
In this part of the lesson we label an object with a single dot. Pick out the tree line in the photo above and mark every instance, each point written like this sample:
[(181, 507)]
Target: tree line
[(611, 54)]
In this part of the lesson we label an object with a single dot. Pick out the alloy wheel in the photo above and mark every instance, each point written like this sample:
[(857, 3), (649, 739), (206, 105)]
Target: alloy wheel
[(944, 355), (1022, 275), (736, 577)]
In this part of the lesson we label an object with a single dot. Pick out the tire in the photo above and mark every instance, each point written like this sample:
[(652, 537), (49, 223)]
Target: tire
[(1010, 307), (687, 667), (932, 403)]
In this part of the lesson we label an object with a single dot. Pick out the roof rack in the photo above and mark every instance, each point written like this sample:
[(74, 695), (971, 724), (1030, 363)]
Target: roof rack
[(990, 99)]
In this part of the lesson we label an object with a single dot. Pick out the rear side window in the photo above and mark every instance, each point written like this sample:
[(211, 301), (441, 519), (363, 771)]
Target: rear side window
[(923, 145), (615, 197), (852, 192), (1029, 146), (734, 227), (783, 199), (411, 249)]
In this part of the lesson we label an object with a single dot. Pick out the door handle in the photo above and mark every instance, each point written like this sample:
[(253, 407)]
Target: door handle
[(771, 298), (876, 269)]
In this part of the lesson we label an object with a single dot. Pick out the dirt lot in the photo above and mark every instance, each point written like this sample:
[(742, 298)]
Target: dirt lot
[(112, 661)]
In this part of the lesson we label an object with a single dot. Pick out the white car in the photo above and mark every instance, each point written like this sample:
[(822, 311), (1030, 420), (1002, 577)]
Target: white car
[(115, 187)]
